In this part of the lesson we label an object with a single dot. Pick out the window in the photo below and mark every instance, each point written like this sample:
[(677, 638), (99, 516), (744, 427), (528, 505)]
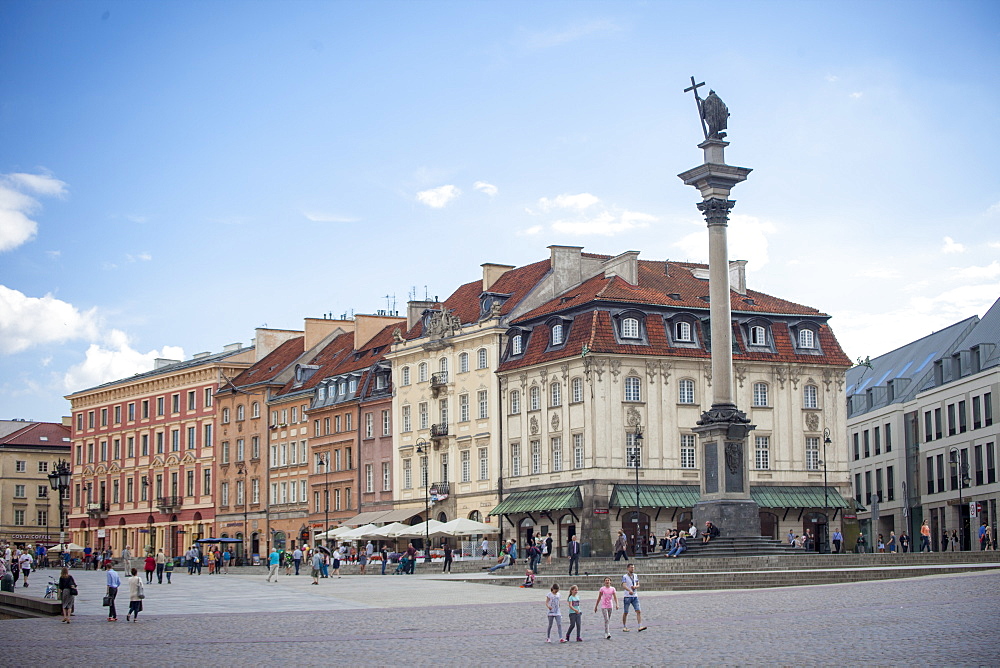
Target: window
[(951, 420), (515, 402), (810, 397), (144, 439), (687, 451), (145, 408), (890, 483), (189, 487), (336, 460), (578, 451), (404, 376), (104, 417), (255, 490), (336, 499), (465, 471), (43, 491), (369, 478), (577, 390), (760, 394), (208, 397), (762, 453), (190, 438), (988, 408), (463, 362), (386, 477), (225, 452), (129, 490), (536, 456), (118, 414), (516, 344), (240, 413), (326, 425), (630, 328), (685, 391), (43, 467), (224, 494), (159, 405), (130, 411), (405, 414), (807, 339), (369, 425), (19, 492), (19, 518), (633, 451), (386, 423), (557, 454), (758, 336), (682, 332), (255, 447), (482, 361), (463, 408), (255, 410), (443, 411), (633, 389), (877, 433), (557, 334), (225, 416), (295, 411), (240, 449), (175, 440), (868, 443), (407, 474), (79, 421), (90, 418), (422, 372), (42, 518), (483, 398), (207, 441), (21, 466), (534, 398), (422, 408), (888, 438), (423, 471), (484, 464), (928, 428), (159, 442), (857, 446), (812, 453), (555, 394)]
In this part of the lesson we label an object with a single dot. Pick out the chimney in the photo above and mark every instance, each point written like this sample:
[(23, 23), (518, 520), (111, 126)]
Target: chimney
[(414, 311), (319, 328), (367, 326), (491, 272), (567, 267), (738, 276), (267, 341), (161, 362), (232, 347), (625, 265)]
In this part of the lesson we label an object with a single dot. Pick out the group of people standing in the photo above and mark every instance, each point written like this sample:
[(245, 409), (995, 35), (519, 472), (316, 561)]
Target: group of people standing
[(607, 603)]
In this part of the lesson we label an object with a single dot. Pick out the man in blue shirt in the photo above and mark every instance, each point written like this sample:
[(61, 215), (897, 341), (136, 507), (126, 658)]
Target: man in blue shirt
[(838, 540), (273, 562), (114, 582)]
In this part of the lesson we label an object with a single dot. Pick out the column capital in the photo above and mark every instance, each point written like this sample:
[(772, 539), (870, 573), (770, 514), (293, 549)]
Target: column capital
[(716, 210)]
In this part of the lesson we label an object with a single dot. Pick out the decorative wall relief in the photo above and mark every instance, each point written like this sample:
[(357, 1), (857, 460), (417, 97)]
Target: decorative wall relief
[(812, 422), (554, 421), (533, 424)]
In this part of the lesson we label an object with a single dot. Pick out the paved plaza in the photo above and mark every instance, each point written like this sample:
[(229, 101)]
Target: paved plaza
[(425, 619)]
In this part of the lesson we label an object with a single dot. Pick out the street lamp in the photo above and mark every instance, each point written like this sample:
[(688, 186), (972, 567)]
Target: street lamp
[(149, 525), (425, 479), (635, 459), (241, 470), (324, 459), (59, 481), (826, 493), (961, 472)]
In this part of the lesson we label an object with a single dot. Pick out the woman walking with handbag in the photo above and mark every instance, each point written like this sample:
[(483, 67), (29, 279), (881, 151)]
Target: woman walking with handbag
[(136, 593), (67, 593)]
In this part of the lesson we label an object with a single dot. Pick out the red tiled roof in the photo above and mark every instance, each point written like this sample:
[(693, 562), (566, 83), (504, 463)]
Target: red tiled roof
[(271, 365), (43, 434)]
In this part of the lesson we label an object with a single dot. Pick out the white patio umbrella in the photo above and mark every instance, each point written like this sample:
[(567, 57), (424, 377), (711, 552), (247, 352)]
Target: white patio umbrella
[(463, 526), (430, 527), (360, 532), (63, 547), (386, 531), (334, 533)]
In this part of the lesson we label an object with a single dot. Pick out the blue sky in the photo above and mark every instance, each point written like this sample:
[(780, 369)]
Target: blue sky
[(175, 174)]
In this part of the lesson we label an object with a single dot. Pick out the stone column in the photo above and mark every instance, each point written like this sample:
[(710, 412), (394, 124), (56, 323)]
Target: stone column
[(723, 429)]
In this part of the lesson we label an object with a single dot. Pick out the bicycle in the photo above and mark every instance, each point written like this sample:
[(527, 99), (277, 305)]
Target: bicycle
[(52, 588)]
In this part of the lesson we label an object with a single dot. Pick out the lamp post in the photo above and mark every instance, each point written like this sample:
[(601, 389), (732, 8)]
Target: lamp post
[(59, 481), (149, 525), (241, 470), (826, 494), (955, 459), (425, 480), (635, 459), (325, 461)]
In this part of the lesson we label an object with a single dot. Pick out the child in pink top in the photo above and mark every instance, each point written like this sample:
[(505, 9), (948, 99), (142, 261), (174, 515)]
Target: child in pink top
[(605, 597)]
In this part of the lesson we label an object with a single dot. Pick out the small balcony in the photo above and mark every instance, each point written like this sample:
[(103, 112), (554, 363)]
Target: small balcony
[(97, 511), (169, 504), (439, 431), (439, 491), (439, 381)]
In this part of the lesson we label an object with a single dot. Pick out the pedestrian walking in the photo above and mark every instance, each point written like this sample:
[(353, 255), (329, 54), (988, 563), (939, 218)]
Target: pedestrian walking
[(297, 558), (621, 546), (575, 614), (384, 552), (944, 540), (630, 581), (982, 536), (547, 549), (273, 561), (336, 562), (363, 560), (26, 560), (67, 593), (860, 547), (168, 569), (150, 567), (485, 548), (891, 545), (955, 547), (574, 554), (554, 614), (605, 596), (925, 537), (990, 544), (317, 566), (838, 540), (904, 542), (227, 557), (114, 582), (127, 558), (136, 592), (161, 561), (447, 558)]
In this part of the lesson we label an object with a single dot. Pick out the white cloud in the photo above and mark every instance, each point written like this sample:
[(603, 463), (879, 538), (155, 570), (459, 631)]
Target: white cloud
[(832, 78), (531, 231), (994, 244), (877, 272), (550, 38), (994, 209), (16, 227), (988, 272), (30, 321), (487, 188), (605, 223), (747, 241), (577, 202), (437, 198), (856, 96), (317, 217), (952, 246), (138, 257), (54, 254), (117, 359)]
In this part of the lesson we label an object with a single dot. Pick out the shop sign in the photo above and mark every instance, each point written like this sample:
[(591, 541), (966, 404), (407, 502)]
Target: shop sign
[(600, 511)]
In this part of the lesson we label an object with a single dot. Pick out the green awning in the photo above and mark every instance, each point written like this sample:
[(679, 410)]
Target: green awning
[(540, 500), (655, 496), (685, 496), (797, 497)]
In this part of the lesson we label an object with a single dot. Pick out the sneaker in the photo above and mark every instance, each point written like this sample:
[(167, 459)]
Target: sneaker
[(579, 639), (625, 629), (608, 636), (641, 629), (563, 640), (548, 640)]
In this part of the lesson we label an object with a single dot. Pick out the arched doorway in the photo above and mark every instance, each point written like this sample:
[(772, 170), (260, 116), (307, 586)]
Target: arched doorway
[(636, 530), (816, 524), (151, 536), (476, 516), (567, 529), (280, 540), (442, 517), (254, 543), (768, 525), (525, 533), (684, 521)]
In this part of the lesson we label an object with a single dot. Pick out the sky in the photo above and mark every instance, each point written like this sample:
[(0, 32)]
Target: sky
[(174, 175)]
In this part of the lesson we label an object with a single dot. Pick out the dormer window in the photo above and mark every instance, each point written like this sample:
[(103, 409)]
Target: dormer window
[(682, 332), (353, 385), (807, 339), (321, 393), (516, 345), (758, 336), (630, 328), (557, 334)]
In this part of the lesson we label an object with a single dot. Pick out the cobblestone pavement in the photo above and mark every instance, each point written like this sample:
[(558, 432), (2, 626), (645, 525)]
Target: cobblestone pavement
[(403, 620)]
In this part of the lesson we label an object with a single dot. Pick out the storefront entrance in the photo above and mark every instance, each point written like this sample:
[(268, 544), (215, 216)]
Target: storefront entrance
[(636, 529)]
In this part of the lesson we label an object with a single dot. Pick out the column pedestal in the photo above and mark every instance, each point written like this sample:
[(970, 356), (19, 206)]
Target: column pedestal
[(725, 489)]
